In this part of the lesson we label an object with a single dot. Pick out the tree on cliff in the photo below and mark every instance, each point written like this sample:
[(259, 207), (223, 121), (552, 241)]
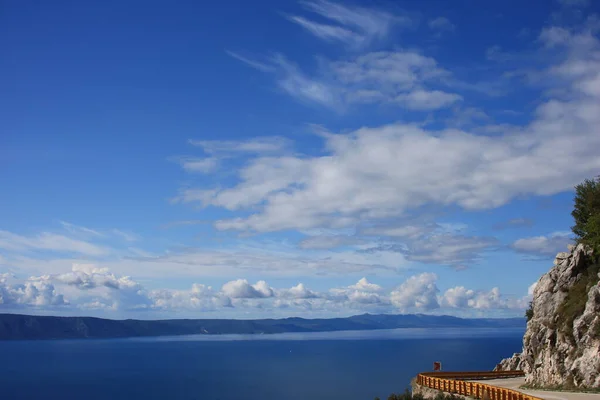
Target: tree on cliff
[(587, 213)]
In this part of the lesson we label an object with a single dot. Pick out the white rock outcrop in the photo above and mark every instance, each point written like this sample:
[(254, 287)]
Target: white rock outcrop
[(513, 363), (554, 354)]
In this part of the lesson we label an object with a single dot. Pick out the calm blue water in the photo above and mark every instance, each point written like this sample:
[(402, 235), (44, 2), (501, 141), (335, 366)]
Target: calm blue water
[(332, 366)]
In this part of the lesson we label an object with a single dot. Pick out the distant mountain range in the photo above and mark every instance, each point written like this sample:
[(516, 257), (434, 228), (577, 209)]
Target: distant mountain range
[(15, 326), (20, 327)]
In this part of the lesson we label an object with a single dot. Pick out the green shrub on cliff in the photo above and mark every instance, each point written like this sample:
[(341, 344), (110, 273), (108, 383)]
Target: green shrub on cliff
[(529, 311), (586, 213), (574, 304)]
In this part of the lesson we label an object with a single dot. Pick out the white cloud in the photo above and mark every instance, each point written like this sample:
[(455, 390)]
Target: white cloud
[(433, 243), (252, 63), (417, 292), (361, 293), (295, 83), (89, 276), (328, 32), (398, 78), (199, 298), (364, 285), (544, 245), (257, 145), (448, 249), (80, 230), (402, 70), (393, 77), (297, 292), (393, 169), (33, 292), (233, 261), (460, 297), (355, 26), (531, 289), (49, 242), (241, 289), (201, 165), (441, 24), (423, 100), (92, 289)]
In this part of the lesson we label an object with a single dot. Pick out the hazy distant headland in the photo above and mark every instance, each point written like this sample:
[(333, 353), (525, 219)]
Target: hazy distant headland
[(20, 327)]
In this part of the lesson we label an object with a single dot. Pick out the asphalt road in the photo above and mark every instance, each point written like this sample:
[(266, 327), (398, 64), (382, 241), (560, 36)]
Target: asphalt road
[(515, 383)]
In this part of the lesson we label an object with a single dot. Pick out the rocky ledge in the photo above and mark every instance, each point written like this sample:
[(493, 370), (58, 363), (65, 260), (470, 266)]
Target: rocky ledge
[(561, 346)]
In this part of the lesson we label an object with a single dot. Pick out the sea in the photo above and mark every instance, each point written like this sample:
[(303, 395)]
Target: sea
[(290, 366)]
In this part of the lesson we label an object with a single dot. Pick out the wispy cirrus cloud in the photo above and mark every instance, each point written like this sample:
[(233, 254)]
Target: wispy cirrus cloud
[(80, 230), (352, 25), (406, 79), (252, 63), (47, 241)]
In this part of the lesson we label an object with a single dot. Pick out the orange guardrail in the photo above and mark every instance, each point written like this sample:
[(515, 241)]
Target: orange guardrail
[(458, 383)]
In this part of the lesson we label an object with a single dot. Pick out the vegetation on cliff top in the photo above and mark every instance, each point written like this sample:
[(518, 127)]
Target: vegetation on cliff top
[(586, 213), (574, 304)]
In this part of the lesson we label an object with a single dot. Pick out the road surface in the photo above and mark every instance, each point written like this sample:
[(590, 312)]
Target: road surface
[(515, 383)]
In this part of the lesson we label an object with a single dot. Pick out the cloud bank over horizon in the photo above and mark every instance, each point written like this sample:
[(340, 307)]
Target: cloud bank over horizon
[(363, 164)]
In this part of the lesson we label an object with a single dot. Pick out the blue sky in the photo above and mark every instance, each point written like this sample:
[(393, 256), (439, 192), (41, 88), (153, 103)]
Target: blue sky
[(281, 158)]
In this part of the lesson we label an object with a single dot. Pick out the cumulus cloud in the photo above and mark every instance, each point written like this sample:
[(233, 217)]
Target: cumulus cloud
[(364, 285), (241, 289), (96, 289), (297, 292), (199, 297), (544, 245), (460, 297), (34, 292), (417, 292), (361, 293), (89, 276)]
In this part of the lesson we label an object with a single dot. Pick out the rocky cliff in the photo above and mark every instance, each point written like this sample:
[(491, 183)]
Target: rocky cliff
[(561, 346)]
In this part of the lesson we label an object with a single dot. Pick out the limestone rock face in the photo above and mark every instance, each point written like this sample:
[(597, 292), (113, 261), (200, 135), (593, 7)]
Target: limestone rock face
[(510, 364), (554, 355)]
